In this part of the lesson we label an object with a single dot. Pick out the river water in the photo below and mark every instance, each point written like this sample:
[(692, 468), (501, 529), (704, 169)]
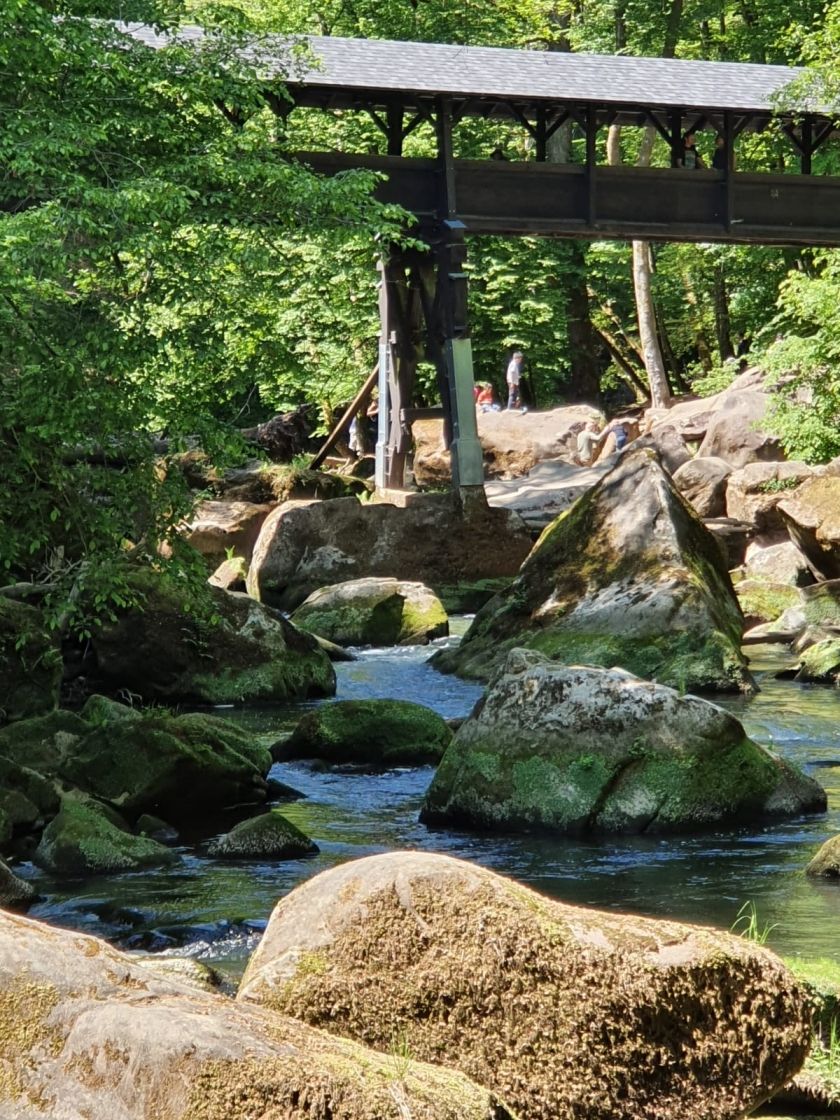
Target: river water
[(216, 910)]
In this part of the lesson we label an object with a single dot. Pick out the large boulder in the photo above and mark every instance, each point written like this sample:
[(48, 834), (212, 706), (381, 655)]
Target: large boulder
[(88, 839), (436, 539), (577, 750), (736, 430), (30, 662), (754, 491), (702, 482), (374, 612), (231, 651), (779, 561), (629, 577), (42, 743), (668, 444), (182, 768), (762, 601), (820, 662), (91, 1032), (220, 529), (268, 836), (374, 732), (567, 1012), (812, 515), (826, 863)]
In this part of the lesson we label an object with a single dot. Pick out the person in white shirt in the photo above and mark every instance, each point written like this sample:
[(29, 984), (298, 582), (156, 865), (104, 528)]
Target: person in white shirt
[(513, 377)]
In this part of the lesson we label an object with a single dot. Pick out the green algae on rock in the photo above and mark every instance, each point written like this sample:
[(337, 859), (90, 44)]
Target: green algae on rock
[(88, 839), (268, 836), (820, 662), (182, 768), (628, 576), (239, 651), (108, 1037), (374, 611), (575, 750), (30, 662), (376, 732), (566, 1012)]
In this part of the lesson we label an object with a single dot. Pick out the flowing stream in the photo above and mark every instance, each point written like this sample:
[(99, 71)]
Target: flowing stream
[(216, 910)]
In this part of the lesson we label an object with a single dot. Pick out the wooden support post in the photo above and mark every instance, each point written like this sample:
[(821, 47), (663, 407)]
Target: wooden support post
[(591, 166), (385, 359), (542, 135), (465, 449), (395, 131), (807, 145), (676, 139), (729, 171)]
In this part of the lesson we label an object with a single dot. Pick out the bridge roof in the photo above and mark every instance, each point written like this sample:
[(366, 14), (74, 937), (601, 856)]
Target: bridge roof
[(351, 71)]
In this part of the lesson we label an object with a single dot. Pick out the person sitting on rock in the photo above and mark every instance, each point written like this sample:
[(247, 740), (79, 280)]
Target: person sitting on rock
[(615, 439), (484, 398)]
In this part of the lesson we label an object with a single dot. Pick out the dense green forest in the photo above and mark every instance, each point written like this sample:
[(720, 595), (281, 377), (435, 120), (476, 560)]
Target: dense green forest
[(168, 276)]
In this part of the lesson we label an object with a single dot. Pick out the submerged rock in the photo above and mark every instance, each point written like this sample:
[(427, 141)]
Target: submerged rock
[(101, 1033), (377, 732), (628, 576), (30, 662), (269, 836), (594, 750), (88, 839), (373, 612), (163, 650), (566, 1012)]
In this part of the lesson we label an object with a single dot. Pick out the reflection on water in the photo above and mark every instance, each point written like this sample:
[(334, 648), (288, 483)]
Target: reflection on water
[(216, 910)]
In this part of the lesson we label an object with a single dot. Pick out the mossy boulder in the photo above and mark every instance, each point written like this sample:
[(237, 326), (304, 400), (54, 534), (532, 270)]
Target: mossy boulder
[(26, 797), (374, 612), (567, 1012), (820, 662), (30, 662), (102, 709), (86, 839), (106, 1036), (628, 576), (765, 602), (41, 743), (226, 651), (373, 732), (576, 750), (269, 836), (182, 768)]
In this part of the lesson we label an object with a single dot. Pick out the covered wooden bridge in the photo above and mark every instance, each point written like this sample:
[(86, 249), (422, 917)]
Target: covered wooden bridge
[(423, 297)]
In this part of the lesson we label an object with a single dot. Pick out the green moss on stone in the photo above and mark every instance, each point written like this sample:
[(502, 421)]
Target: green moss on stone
[(269, 836), (820, 662), (766, 604), (84, 840), (378, 732)]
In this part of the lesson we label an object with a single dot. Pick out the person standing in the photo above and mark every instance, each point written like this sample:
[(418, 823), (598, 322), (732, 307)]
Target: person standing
[(690, 155), (514, 378)]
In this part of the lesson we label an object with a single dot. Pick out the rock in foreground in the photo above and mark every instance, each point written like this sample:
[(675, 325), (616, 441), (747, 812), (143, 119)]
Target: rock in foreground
[(374, 612), (594, 750), (628, 576), (373, 732), (568, 1012), (90, 1032)]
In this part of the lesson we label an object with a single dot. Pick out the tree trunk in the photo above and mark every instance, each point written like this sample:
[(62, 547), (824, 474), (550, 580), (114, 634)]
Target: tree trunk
[(660, 394), (723, 326)]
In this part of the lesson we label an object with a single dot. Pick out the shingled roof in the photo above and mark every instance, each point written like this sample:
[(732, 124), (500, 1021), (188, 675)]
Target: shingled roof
[(351, 67)]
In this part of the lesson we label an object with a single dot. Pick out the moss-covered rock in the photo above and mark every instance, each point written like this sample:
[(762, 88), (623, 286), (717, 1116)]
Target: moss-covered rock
[(471, 595), (375, 732), (821, 602), (628, 576), (826, 863), (105, 1036), (820, 662), (183, 768), (269, 836), (102, 709), (41, 743), (86, 839), (30, 662), (230, 651), (765, 602), (26, 797), (374, 612), (567, 1012), (576, 750)]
